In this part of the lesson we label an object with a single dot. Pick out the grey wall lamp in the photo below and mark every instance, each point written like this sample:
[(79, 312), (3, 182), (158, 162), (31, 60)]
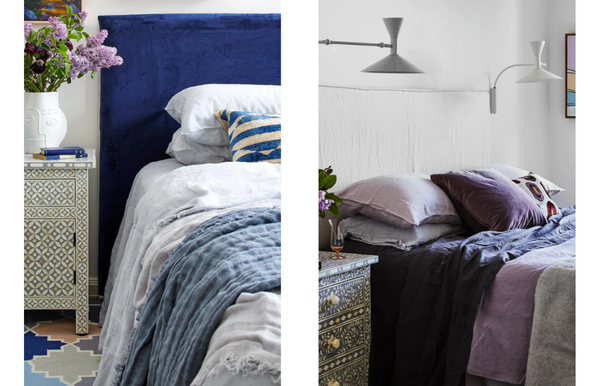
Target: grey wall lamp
[(391, 64), (537, 75)]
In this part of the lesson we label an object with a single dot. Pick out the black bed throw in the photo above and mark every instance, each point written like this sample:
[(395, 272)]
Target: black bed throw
[(424, 301)]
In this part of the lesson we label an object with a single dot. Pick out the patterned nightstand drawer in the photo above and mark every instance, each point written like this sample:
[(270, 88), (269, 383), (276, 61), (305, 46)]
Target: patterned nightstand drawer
[(341, 296), (54, 193), (345, 372), (342, 337), (344, 319)]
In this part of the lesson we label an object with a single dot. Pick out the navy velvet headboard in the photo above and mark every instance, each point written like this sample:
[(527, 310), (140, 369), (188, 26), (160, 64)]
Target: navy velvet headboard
[(162, 55)]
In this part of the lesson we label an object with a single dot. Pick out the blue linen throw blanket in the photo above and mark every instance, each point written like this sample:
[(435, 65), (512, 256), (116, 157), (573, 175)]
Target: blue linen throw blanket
[(216, 262)]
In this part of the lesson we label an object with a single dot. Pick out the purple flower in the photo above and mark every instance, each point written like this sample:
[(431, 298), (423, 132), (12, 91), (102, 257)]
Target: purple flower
[(44, 54), (94, 41), (28, 29), (60, 29), (30, 48), (38, 66), (324, 203), (69, 45)]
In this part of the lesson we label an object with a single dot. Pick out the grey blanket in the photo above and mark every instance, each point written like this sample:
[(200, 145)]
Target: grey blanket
[(551, 360), (215, 263)]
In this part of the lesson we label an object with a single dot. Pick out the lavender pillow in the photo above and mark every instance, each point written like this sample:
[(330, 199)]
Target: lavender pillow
[(487, 200), (400, 200)]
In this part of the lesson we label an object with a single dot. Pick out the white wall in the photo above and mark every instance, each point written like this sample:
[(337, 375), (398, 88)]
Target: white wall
[(80, 100), (463, 45)]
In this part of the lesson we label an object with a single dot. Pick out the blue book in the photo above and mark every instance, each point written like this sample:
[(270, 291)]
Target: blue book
[(58, 156), (62, 150)]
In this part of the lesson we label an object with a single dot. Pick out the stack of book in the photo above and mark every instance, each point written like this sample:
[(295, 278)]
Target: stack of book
[(58, 153)]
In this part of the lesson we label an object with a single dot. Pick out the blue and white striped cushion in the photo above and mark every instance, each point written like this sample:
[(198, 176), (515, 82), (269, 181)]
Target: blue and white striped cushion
[(253, 137)]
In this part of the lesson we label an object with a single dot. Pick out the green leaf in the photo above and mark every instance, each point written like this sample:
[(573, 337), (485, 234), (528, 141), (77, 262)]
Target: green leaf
[(322, 214), (327, 182), (333, 209), (69, 12), (333, 197), (92, 74), (79, 29), (87, 35)]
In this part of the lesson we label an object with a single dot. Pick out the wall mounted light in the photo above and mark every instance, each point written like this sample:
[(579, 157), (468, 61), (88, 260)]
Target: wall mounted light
[(537, 75), (391, 64)]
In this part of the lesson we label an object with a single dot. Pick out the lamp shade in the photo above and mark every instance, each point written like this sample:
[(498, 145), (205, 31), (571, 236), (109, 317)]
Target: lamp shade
[(538, 74), (393, 63)]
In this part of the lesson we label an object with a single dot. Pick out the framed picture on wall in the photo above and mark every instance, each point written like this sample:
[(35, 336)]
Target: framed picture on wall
[(570, 76), (38, 11)]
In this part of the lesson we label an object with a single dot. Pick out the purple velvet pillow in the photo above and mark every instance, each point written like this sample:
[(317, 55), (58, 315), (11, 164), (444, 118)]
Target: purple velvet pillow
[(486, 200)]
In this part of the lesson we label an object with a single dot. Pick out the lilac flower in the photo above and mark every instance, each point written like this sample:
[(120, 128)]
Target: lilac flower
[(94, 41), (28, 29), (60, 29)]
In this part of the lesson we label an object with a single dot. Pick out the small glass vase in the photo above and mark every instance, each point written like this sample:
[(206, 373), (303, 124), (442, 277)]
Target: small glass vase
[(336, 240)]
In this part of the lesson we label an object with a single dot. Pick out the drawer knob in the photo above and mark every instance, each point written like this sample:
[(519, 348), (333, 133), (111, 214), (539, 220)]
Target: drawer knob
[(333, 382), (333, 300), (334, 343)]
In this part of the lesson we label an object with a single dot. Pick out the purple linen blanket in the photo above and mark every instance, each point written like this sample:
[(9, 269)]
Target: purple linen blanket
[(502, 329)]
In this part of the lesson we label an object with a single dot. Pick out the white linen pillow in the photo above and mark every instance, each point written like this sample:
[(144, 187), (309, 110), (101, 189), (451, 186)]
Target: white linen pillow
[(194, 108), (512, 172), (401, 200), (191, 153), (373, 232)]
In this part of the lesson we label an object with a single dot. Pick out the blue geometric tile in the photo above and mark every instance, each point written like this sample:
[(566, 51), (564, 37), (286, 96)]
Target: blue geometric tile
[(32, 379), (89, 344), (39, 345)]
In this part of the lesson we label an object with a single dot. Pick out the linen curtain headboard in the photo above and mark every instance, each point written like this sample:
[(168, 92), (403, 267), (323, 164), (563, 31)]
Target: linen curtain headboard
[(366, 133), (162, 55)]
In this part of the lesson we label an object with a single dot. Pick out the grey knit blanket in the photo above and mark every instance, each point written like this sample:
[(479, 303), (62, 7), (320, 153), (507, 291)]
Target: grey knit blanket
[(551, 360), (205, 274)]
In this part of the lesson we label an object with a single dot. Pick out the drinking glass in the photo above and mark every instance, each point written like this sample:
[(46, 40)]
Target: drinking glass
[(336, 241)]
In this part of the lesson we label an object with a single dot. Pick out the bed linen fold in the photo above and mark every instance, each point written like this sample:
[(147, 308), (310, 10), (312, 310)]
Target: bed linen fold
[(424, 301), (216, 262)]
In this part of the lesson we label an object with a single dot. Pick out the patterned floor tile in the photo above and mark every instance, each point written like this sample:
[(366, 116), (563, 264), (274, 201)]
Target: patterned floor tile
[(32, 379), (86, 381), (69, 364), (89, 344), (39, 345), (63, 329)]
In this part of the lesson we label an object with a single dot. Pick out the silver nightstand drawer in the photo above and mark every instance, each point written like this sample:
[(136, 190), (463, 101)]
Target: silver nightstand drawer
[(52, 193), (341, 296), (346, 334), (350, 370)]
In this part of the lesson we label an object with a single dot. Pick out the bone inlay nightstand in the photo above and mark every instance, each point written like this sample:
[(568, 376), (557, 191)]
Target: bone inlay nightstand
[(56, 235), (344, 319)]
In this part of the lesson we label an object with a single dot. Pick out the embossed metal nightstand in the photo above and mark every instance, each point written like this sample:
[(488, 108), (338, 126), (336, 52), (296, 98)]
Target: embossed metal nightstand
[(56, 235), (344, 319)]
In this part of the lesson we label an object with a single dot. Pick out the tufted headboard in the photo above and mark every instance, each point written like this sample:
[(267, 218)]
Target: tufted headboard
[(162, 55)]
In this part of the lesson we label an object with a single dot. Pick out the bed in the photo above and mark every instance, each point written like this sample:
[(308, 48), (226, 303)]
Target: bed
[(449, 306), (189, 243)]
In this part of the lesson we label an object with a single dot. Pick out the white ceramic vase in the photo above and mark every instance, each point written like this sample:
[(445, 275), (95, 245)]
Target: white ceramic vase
[(45, 123)]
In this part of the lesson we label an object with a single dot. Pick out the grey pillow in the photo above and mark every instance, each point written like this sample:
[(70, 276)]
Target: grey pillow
[(192, 153), (400, 200), (374, 232)]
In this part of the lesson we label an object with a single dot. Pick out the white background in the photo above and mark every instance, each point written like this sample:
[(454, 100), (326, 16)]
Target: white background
[(300, 79)]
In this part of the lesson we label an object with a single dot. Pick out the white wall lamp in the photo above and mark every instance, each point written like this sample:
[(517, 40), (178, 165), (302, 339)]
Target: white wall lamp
[(391, 64), (537, 75)]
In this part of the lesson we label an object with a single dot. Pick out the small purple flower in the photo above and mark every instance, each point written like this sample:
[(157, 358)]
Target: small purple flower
[(60, 29), (324, 203), (97, 40), (30, 48)]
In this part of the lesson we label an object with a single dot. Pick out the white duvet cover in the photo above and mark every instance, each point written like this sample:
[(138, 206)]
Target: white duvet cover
[(157, 217)]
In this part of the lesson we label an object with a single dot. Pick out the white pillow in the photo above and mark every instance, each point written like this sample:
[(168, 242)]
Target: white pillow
[(194, 108), (191, 153), (373, 232), (401, 200), (513, 172)]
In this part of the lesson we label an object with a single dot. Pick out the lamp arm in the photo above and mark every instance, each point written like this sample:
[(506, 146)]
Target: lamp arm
[(380, 45), (515, 65)]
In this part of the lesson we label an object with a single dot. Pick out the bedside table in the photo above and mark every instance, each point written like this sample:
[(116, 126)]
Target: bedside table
[(344, 319), (56, 235)]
